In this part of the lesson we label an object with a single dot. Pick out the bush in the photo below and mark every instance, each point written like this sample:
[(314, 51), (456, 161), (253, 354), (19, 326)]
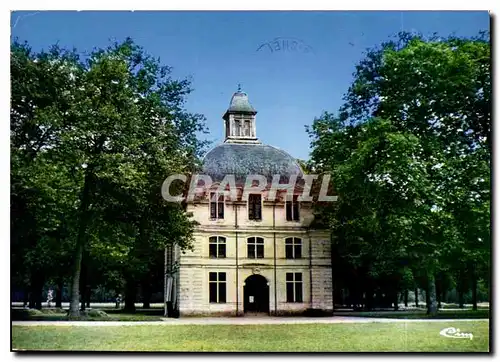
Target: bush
[(34, 312), (89, 315), (53, 311)]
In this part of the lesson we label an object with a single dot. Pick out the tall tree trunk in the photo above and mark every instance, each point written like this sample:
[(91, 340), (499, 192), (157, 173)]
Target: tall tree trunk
[(89, 292), (80, 246), (82, 299), (38, 300), (474, 292), (431, 295), (460, 298), (416, 297), (368, 302), (461, 288), (74, 310), (396, 301), (165, 271), (31, 302), (130, 281), (26, 297), (82, 286), (438, 293), (83, 282), (130, 294), (60, 286), (36, 289), (146, 293), (406, 297)]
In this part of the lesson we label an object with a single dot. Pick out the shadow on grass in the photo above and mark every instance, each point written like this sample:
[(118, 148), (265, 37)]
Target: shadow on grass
[(420, 314), (18, 314), (156, 314)]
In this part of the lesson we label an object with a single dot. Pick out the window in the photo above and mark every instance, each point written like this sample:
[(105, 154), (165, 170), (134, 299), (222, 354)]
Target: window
[(254, 207), (247, 128), (237, 128), (292, 210), (294, 287), (217, 246), (217, 286), (255, 248), (293, 248), (216, 206)]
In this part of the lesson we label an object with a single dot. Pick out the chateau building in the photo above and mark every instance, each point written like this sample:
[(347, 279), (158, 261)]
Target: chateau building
[(253, 253)]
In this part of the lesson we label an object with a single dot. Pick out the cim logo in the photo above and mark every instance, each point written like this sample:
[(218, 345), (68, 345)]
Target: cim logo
[(452, 332)]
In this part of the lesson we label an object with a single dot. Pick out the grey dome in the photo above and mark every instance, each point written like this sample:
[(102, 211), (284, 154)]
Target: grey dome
[(248, 159)]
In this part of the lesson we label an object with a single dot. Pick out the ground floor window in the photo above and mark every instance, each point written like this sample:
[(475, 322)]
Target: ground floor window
[(217, 286), (294, 287)]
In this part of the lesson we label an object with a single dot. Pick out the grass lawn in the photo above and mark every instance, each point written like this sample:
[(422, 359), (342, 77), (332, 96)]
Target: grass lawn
[(355, 337)]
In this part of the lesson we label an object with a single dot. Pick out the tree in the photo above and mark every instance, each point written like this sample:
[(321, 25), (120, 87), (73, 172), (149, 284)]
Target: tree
[(381, 220), (435, 92), (117, 127), (43, 190)]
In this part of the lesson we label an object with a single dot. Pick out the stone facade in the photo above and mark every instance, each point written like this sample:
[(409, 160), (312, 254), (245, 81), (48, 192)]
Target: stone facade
[(233, 283), (314, 264)]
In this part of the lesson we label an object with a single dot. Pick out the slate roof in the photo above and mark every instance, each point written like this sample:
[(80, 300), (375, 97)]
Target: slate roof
[(246, 159), (240, 103)]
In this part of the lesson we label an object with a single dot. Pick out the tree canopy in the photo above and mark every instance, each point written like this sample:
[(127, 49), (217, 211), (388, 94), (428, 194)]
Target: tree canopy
[(92, 139), (409, 152)]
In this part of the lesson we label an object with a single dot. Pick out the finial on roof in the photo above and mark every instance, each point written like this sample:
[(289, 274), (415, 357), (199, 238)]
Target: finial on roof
[(239, 103)]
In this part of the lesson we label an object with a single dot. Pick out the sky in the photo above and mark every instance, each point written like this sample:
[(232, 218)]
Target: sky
[(289, 86)]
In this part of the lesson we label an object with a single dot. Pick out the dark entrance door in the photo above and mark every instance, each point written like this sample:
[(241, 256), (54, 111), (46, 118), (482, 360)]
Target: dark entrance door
[(256, 294)]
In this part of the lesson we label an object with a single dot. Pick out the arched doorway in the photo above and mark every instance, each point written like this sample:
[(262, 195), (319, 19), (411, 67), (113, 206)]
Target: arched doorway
[(256, 294)]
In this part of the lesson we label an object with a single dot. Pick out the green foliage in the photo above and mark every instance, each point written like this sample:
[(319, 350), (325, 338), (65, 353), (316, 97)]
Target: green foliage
[(92, 140), (410, 159)]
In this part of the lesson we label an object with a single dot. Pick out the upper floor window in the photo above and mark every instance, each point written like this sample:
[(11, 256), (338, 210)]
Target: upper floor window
[(293, 248), (292, 209), (254, 207), (216, 206), (237, 128), (217, 246), (255, 248), (247, 128)]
